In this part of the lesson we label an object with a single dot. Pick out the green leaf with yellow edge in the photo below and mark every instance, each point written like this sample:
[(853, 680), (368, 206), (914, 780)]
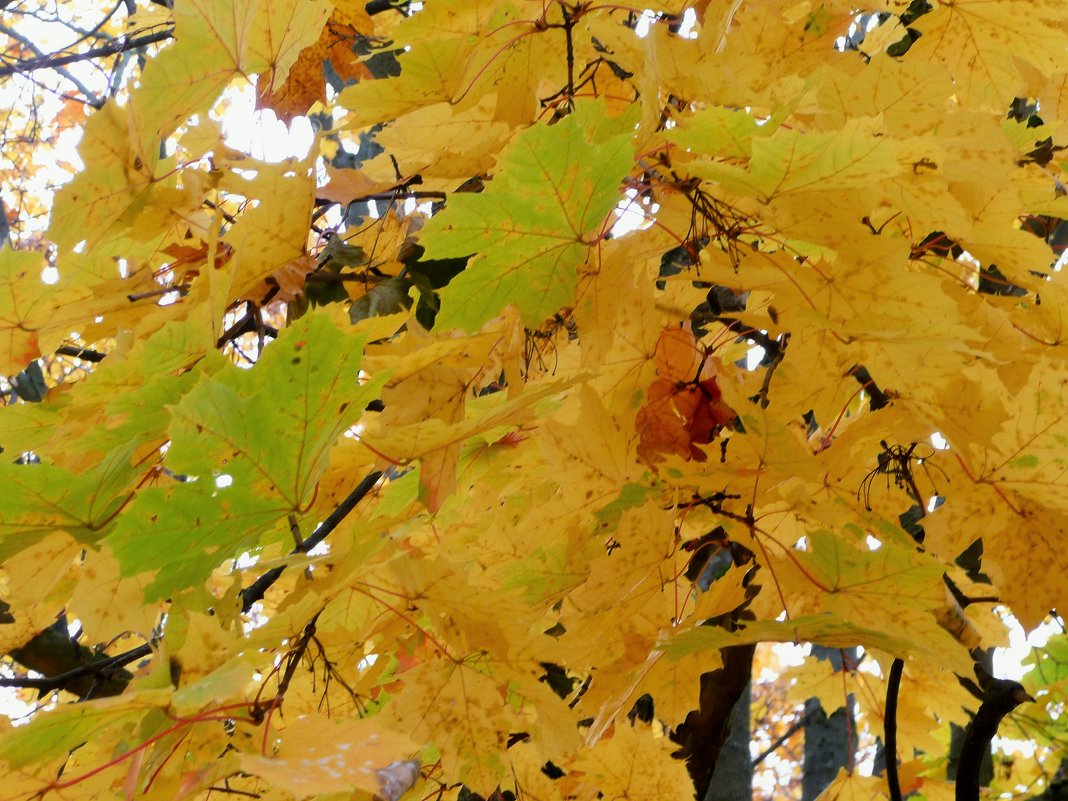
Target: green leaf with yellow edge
[(725, 132), (890, 589), (536, 222), (272, 427), (58, 731), (432, 73), (235, 678), (172, 537), (856, 155), (41, 498)]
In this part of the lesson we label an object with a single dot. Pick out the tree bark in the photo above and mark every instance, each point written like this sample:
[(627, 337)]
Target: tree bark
[(732, 775), (830, 742), (705, 730)]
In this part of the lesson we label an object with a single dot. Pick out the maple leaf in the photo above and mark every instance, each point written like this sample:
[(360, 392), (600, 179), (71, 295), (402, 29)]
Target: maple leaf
[(415, 541), (21, 308), (535, 223), (684, 406), (305, 83)]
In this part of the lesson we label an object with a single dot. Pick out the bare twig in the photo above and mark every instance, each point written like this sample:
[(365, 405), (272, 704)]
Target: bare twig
[(118, 45), (798, 724), (90, 96), (85, 354), (106, 668)]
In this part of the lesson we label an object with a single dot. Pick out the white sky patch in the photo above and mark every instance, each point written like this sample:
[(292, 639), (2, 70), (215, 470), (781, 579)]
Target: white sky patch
[(688, 26), (632, 214), (753, 357), (366, 662), (1007, 661), (645, 22), (260, 133), (245, 561)]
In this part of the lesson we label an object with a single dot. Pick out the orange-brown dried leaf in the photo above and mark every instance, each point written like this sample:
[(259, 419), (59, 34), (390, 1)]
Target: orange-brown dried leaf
[(684, 407), (306, 83)]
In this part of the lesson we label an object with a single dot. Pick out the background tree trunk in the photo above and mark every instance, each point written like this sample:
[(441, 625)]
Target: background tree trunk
[(732, 775), (830, 742), (705, 729)]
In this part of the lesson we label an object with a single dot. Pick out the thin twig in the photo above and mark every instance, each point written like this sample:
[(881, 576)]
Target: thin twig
[(90, 96), (800, 723), (85, 354)]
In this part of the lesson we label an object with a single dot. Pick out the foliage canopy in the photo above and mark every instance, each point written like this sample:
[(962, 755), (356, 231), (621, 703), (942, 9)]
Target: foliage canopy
[(401, 466)]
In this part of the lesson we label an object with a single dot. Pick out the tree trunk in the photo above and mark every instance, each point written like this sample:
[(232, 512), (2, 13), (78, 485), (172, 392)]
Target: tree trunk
[(830, 742), (732, 776), (704, 731)]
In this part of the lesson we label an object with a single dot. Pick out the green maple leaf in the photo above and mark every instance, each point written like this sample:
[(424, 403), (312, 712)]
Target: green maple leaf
[(537, 219), (181, 533), (272, 427), (41, 498)]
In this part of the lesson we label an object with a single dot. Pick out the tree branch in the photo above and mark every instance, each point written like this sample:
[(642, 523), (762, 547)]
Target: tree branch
[(118, 45), (87, 674), (85, 354), (90, 96), (105, 676), (257, 589), (893, 687)]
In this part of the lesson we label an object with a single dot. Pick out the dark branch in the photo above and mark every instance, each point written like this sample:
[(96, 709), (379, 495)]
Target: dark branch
[(85, 354), (257, 589), (878, 398), (893, 687), (88, 94), (82, 671), (99, 677), (378, 6), (1000, 698), (118, 45)]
